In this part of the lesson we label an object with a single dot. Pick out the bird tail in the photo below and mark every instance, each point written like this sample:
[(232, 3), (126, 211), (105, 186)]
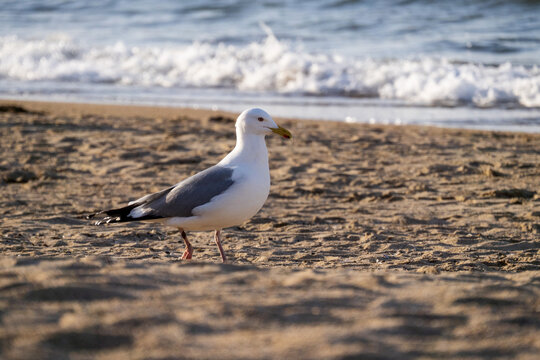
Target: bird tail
[(114, 215)]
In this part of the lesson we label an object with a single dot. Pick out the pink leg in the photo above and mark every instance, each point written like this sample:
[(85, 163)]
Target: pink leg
[(218, 243), (189, 249)]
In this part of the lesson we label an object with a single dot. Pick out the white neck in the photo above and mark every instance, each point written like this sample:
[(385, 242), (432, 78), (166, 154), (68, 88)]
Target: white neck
[(250, 148)]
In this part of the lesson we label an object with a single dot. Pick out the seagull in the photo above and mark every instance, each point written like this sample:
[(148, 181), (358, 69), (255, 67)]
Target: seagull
[(224, 195)]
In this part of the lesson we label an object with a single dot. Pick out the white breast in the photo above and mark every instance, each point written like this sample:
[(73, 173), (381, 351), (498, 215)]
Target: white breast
[(236, 205)]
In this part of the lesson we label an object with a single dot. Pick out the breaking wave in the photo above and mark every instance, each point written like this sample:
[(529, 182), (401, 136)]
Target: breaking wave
[(271, 66)]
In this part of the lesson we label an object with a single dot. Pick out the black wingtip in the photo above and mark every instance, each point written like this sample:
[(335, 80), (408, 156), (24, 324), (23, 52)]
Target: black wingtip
[(119, 215), (113, 215), (107, 219)]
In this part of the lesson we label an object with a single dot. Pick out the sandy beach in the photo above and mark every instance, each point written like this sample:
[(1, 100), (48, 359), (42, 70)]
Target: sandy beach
[(376, 241)]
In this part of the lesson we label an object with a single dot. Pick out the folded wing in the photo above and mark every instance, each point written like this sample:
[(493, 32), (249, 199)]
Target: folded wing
[(176, 201)]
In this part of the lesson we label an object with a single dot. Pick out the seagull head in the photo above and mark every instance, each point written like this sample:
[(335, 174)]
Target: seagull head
[(259, 122)]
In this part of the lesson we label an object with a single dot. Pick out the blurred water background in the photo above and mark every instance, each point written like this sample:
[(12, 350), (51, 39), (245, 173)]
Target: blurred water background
[(468, 64)]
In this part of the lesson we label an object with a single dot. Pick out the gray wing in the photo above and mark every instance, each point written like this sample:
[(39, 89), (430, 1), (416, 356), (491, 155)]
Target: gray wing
[(181, 199)]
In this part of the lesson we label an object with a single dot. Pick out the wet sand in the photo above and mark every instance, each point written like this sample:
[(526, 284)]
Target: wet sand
[(375, 242)]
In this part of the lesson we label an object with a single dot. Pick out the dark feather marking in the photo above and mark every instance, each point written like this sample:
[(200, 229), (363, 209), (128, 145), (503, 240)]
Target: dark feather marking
[(176, 201)]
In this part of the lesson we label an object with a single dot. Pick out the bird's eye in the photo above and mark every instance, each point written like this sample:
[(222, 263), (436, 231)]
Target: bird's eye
[(260, 119)]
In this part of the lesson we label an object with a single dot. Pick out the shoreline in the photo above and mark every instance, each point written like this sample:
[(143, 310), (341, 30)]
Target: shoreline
[(377, 241), (82, 108), (168, 111)]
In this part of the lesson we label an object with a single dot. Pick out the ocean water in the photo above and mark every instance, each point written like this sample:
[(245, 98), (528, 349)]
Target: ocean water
[(468, 64)]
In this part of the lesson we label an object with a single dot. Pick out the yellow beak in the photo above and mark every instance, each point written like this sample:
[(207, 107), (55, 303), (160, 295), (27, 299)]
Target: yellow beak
[(282, 132)]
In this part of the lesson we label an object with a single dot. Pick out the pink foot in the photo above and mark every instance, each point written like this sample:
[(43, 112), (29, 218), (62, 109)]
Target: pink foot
[(187, 255)]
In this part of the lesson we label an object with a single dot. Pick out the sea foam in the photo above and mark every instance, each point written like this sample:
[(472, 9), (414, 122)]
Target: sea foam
[(270, 66)]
